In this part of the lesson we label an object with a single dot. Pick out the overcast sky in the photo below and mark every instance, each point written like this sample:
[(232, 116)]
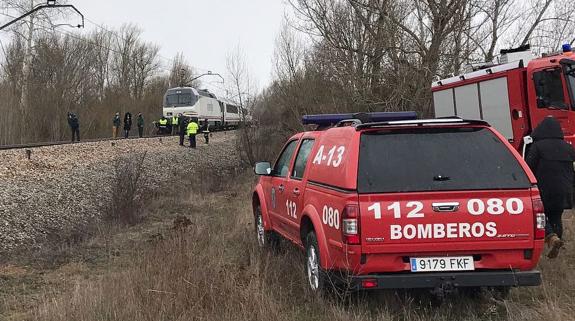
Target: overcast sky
[(204, 30)]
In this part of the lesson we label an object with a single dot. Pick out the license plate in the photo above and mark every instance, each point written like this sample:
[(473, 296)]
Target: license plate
[(448, 263)]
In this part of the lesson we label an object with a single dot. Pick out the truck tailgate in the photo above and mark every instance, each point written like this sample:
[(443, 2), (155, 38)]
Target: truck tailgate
[(446, 221)]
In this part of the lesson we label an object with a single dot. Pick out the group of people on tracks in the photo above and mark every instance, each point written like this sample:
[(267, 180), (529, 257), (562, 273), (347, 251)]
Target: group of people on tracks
[(74, 124), (127, 125), (182, 126)]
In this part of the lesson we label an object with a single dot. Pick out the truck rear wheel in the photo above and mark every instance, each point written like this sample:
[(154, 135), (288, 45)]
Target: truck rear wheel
[(315, 275), (266, 239)]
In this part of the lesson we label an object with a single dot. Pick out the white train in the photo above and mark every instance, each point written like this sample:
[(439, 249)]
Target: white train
[(201, 104)]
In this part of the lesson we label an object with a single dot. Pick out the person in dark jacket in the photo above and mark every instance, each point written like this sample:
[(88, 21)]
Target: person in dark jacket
[(74, 124), (127, 124), (182, 126), (206, 130), (140, 125), (551, 160)]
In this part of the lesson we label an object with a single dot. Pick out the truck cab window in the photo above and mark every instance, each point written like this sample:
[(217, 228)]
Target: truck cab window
[(570, 76), (301, 159), (549, 89), (281, 168)]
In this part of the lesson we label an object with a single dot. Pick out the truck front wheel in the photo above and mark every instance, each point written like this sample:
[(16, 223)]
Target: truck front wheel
[(266, 239)]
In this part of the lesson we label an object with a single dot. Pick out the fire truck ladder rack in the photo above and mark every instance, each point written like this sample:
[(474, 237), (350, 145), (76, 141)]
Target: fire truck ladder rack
[(479, 73)]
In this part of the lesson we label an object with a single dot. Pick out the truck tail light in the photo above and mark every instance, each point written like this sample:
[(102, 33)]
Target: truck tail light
[(350, 225), (539, 213)]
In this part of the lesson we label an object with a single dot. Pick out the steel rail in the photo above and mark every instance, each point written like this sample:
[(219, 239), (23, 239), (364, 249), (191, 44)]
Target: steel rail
[(58, 143)]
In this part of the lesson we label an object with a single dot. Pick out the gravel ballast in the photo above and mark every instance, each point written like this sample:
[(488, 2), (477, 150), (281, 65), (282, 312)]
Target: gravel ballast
[(64, 188)]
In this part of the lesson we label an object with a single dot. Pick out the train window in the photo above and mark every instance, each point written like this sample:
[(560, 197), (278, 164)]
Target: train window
[(180, 100), (549, 89), (171, 100), (221, 106), (232, 109)]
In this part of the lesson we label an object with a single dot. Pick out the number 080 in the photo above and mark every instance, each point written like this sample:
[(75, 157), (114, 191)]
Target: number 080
[(330, 217)]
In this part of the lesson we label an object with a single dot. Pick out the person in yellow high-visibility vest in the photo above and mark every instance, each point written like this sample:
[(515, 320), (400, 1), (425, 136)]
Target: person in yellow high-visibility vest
[(175, 122), (192, 130), (163, 126)]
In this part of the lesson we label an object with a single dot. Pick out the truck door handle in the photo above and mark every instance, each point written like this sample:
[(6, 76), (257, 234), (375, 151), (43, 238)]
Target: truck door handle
[(281, 188), (445, 207), (296, 192)]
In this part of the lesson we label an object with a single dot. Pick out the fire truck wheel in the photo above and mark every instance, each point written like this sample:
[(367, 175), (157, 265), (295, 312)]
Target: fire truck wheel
[(315, 275), (266, 239)]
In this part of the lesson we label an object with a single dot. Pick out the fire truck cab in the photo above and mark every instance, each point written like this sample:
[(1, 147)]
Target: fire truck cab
[(385, 201), (514, 96)]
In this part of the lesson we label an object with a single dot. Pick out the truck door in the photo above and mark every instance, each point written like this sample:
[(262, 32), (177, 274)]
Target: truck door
[(549, 97), (278, 193), (295, 188)]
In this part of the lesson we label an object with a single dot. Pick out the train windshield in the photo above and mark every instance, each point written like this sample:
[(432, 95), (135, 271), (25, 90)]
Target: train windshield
[(180, 99)]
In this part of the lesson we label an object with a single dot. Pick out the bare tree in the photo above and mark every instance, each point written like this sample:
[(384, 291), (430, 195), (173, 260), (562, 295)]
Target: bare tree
[(181, 73), (241, 89)]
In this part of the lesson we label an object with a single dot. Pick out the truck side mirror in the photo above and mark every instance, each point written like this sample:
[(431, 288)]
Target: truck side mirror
[(263, 168), (527, 140)]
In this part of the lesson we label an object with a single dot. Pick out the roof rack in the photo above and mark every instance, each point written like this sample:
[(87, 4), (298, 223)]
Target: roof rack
[(327, 120), (424, 122)]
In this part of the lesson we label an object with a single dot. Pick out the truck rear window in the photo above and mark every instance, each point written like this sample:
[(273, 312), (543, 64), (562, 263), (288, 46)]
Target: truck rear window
[(436, 159)]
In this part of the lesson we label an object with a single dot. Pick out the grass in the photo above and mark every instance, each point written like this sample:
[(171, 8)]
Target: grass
[(213, 270)]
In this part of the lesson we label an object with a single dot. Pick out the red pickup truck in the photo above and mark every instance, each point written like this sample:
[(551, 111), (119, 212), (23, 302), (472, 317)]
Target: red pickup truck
[(386, 201)]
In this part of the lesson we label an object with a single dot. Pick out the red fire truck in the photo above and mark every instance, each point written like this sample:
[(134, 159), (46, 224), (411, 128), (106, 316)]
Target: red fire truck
[(384, 201), (515, 95)]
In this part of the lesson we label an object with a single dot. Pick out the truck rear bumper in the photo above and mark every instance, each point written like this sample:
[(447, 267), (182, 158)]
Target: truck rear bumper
[(446, 280)]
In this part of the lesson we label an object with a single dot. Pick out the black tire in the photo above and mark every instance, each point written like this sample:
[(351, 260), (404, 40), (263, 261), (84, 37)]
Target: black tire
[(266, 239), (316, 277)]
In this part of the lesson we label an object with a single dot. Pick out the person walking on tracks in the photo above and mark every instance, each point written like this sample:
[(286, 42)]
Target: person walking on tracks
[(115, 125), (183, 125), (127, 124), (206, 130), (192, 130), (551, 159), (74, 124), (140, 123)]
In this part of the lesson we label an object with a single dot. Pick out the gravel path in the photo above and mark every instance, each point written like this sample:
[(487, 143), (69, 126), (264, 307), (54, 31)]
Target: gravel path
[(63, 188)]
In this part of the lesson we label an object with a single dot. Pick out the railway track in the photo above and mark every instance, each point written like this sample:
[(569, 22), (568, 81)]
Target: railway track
[(95, 140), (44, 144)]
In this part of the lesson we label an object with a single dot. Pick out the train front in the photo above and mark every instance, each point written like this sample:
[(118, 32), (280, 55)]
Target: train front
[(181, 100)]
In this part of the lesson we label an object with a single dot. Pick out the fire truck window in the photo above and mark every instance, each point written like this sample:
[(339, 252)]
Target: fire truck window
[(281, 168), (549, 89), (301, 159), (570, 73), (436, 159)]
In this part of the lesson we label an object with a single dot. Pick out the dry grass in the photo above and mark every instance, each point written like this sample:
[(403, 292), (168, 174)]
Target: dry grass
[(213, 270), (127, 190)]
